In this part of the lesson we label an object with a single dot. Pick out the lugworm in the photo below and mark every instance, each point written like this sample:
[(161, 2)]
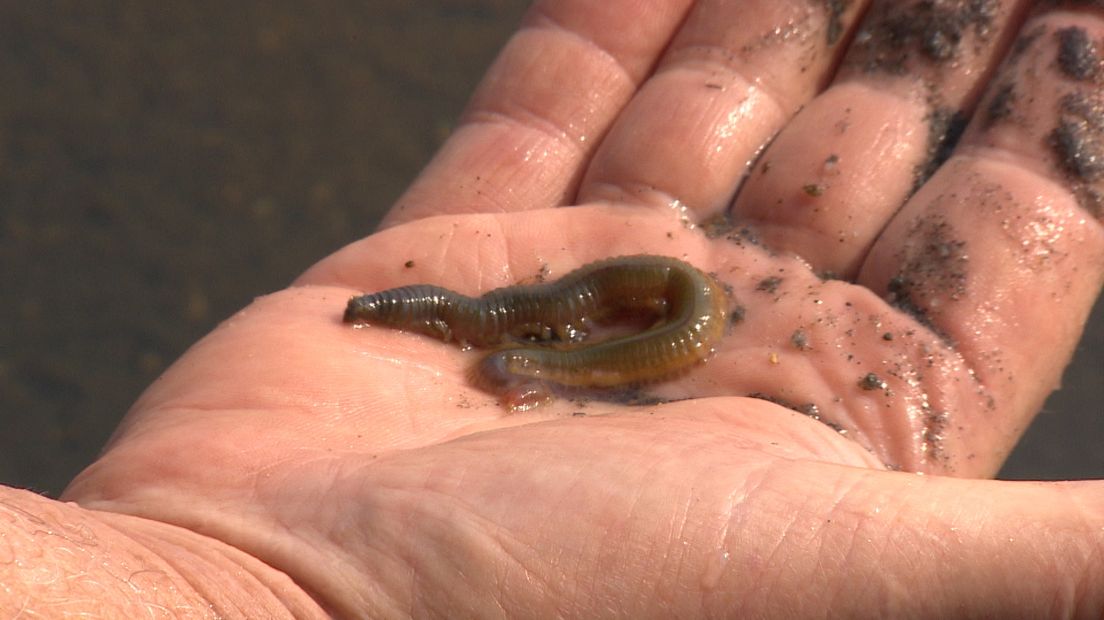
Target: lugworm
[(542, 328)]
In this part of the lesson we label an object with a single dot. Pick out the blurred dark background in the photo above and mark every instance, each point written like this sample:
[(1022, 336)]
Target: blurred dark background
[(162, 164)]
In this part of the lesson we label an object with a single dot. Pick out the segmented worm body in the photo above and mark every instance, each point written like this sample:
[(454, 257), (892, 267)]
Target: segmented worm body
[(543, 328)]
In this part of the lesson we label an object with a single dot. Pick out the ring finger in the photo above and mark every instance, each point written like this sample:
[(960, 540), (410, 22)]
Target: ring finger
[(835, 175)]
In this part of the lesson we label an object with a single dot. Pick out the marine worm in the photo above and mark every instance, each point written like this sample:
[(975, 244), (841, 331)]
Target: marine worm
[(542, 329)]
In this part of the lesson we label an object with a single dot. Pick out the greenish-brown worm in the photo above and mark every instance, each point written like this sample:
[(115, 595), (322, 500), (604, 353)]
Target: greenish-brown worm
[(542, 329)]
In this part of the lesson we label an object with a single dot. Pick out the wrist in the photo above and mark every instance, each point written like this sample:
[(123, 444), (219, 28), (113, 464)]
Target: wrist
[(58, 558)]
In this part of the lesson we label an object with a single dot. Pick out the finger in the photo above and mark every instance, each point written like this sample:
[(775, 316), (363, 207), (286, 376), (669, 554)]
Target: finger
[(834, 176), (1002, 252), (733, 75), (543, 107)]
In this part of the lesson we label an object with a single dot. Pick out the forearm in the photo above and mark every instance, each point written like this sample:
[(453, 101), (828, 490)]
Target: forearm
[(58, 558)]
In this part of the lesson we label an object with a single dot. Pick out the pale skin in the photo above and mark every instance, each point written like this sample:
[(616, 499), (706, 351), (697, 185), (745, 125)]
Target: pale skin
[(291, 465)]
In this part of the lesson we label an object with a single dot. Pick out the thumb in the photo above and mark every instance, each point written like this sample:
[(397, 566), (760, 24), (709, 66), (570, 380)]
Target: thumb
[(887, 544)]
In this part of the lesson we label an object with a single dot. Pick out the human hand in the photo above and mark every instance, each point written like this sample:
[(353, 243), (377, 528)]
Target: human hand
[(364, 465)]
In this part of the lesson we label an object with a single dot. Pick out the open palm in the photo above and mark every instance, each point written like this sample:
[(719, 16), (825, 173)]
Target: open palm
[(871, 341)]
